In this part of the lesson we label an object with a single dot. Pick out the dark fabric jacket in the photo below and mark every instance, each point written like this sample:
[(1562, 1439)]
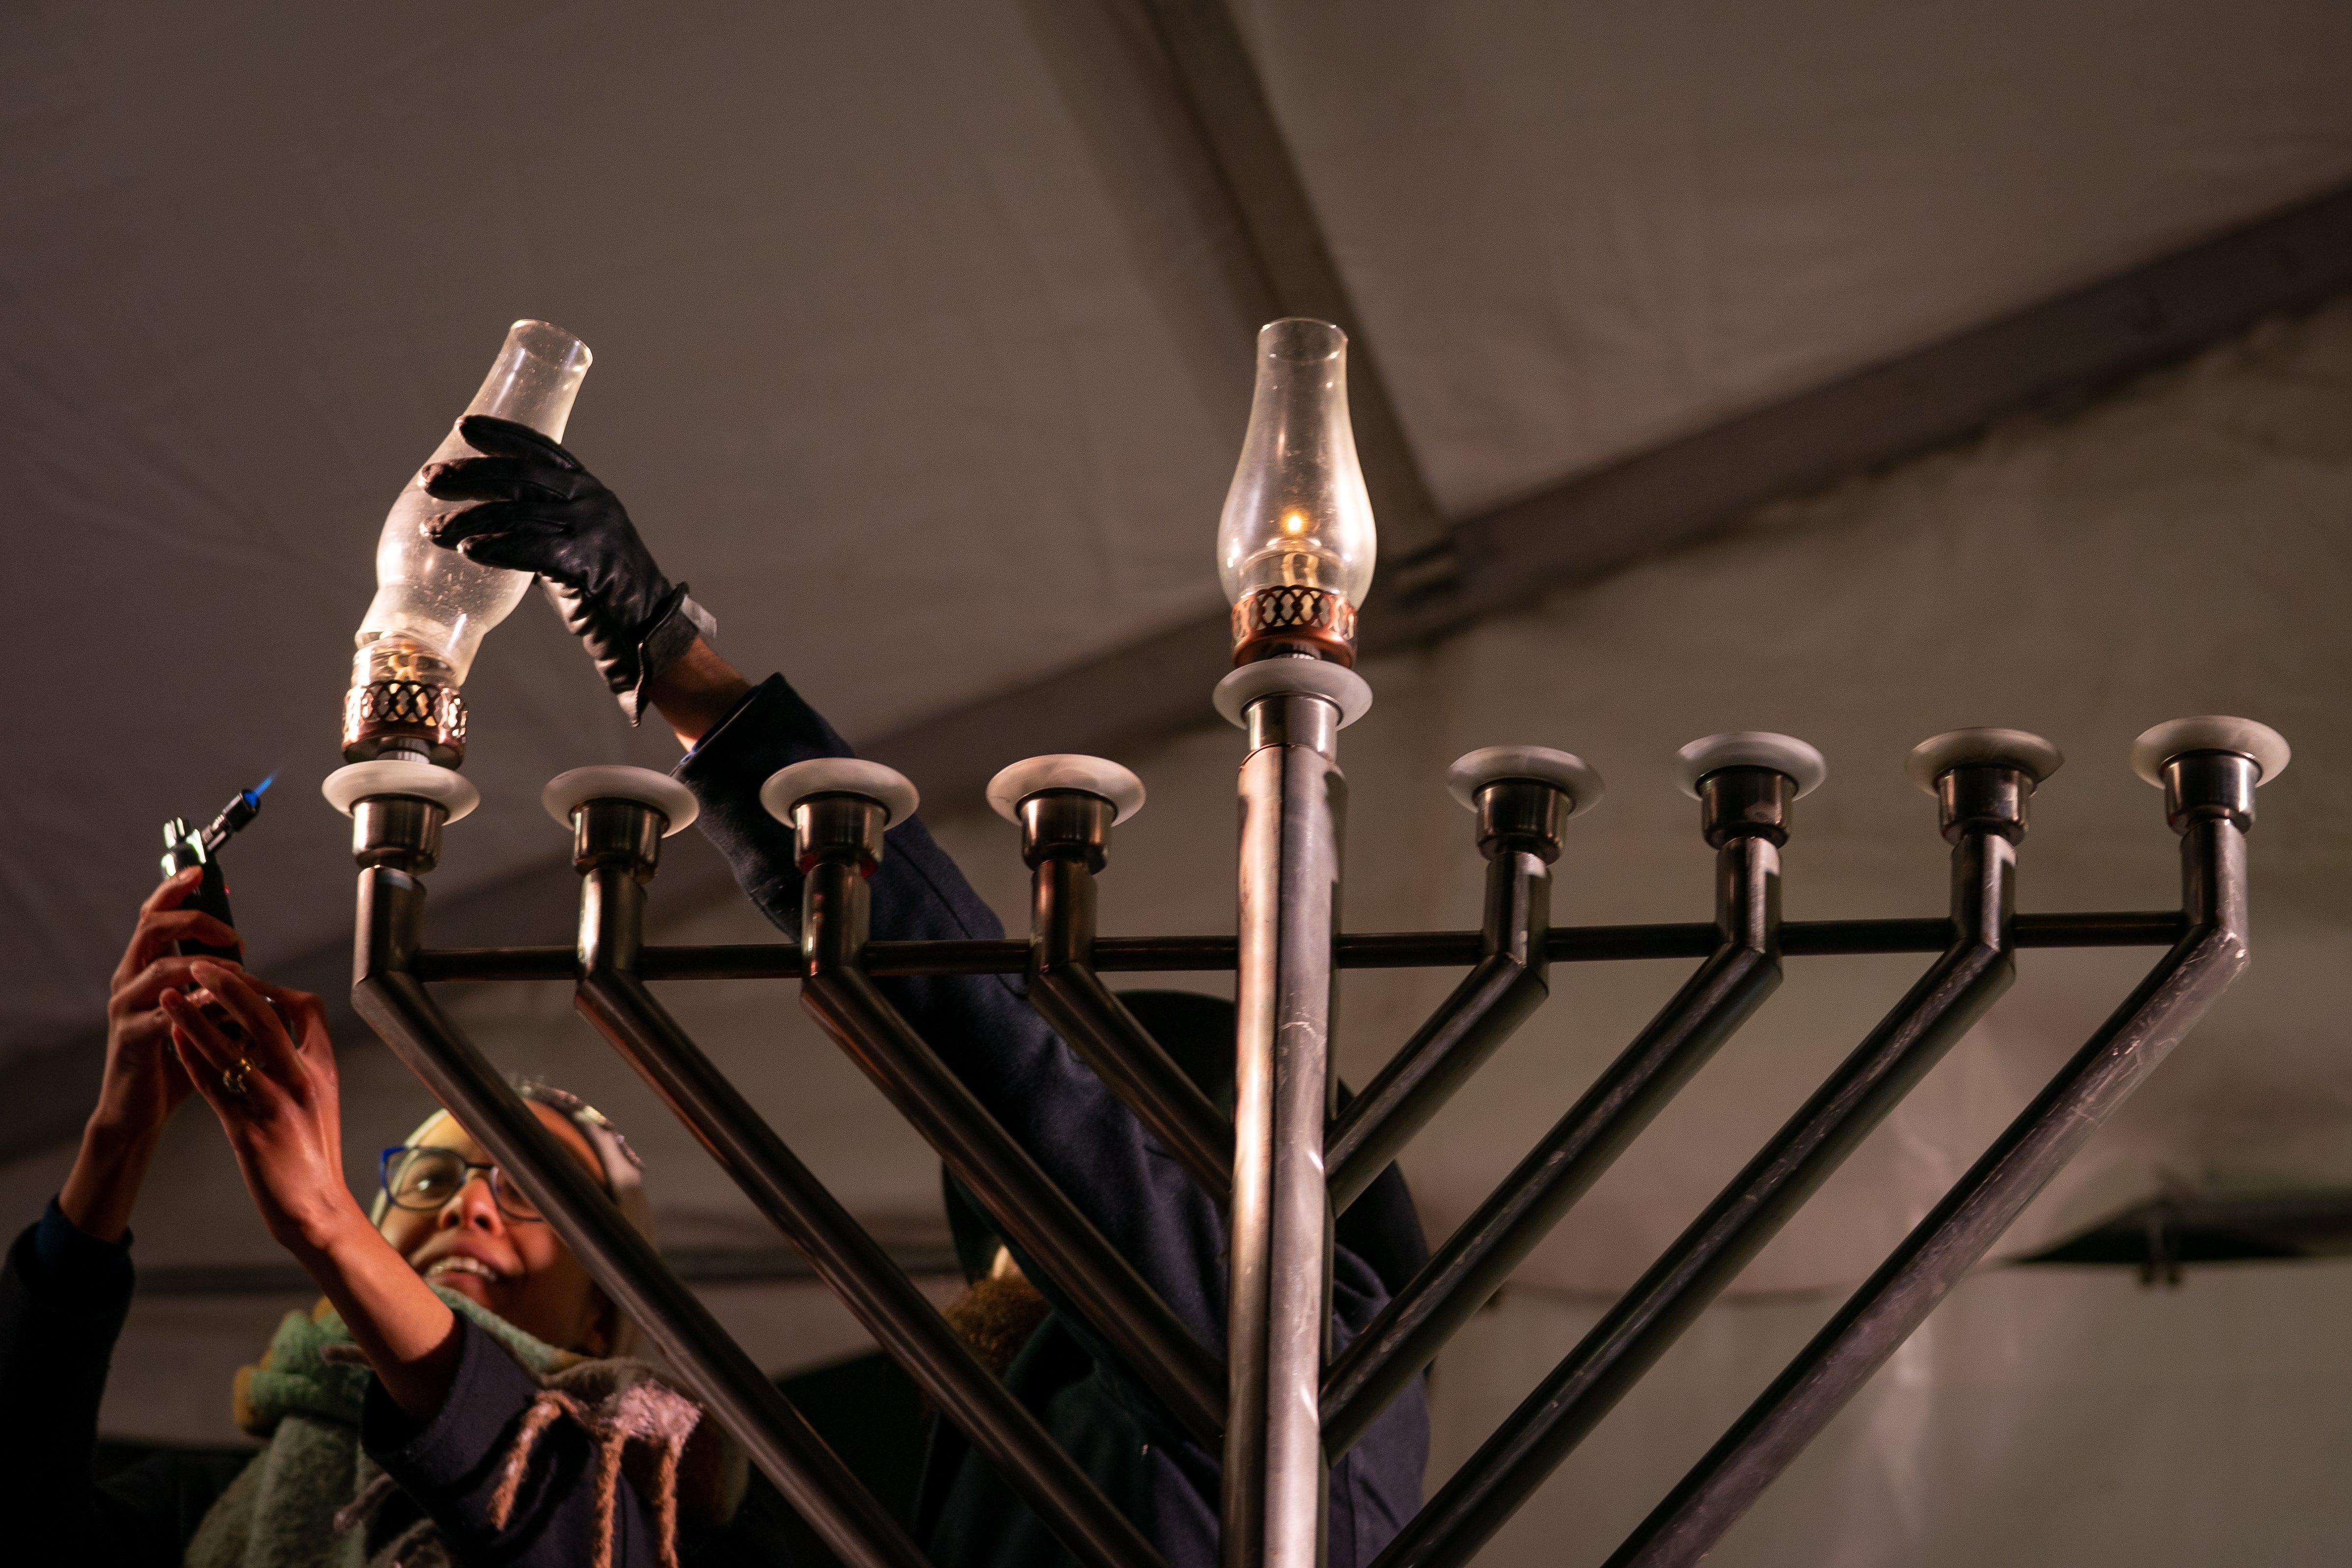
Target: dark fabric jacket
[(1138, 1197), (63, 1298)]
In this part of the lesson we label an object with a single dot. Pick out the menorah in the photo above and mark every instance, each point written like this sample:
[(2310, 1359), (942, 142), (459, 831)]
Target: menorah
[(1282, 1406)]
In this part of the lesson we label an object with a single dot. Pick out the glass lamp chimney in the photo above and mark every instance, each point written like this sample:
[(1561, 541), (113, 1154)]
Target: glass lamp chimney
[(1296, 545), (432, 606)]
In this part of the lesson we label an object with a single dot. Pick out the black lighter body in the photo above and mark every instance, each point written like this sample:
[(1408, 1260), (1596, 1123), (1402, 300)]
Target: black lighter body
[(184, 846)]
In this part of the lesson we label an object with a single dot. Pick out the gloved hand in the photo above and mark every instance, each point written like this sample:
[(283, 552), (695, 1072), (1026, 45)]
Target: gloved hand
[(541, 512)]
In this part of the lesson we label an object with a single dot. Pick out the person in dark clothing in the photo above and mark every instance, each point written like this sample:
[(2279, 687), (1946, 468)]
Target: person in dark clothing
[(1380, 1231), (870, 1411), (539, 511), (396, 1416)]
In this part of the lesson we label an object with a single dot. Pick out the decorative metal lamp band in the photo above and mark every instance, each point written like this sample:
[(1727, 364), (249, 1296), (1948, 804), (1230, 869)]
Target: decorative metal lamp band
[(383, 711), (1285, 620)]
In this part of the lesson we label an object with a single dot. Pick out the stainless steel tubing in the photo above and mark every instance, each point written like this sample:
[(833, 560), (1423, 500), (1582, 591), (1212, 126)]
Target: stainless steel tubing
[(1293, 807), (1982, 1205), (881, 1297), (497, 963), (1835, 939), (2153, 928), (1498, 995), (1038, 1217), (1064, 836), (1096, 1025), (1827, 939), (1034, 1214), (1509, 982), (1350, 949), (623, 1263), (1483, 1251), (1984, 817)]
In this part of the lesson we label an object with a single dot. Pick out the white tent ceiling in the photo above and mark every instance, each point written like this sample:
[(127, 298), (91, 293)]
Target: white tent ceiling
[(923, 352), (1577, 230), (922, 333)]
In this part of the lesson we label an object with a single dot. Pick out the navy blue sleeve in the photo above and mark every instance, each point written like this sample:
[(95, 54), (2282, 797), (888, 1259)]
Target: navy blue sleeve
[(451, 1466), (74, 1261), (982, 1026), (63, 1298)]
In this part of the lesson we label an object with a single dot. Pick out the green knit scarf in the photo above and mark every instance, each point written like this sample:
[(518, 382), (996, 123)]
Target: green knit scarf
[(305, 1396)]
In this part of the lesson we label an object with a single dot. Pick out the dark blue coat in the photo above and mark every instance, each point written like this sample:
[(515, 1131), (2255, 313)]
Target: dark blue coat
[(1135, 1195), (63, 1298)]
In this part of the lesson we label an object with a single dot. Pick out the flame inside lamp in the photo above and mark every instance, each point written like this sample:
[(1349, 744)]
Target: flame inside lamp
[(1296, 546)]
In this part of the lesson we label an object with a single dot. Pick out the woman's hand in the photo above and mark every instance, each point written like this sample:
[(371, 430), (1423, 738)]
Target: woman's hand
[(539, 511), (143, 1082), (279, 1102)]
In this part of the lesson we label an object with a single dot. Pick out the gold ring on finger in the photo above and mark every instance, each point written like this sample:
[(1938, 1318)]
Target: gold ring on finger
[(234, 1080)]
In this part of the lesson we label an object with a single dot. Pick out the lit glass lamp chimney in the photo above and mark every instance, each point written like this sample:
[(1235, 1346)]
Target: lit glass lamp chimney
[(432, 605), (1296, 545)]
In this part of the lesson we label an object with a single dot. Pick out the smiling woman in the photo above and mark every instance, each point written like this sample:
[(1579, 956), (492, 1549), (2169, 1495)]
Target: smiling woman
[(463, 1393), (463, 1225)]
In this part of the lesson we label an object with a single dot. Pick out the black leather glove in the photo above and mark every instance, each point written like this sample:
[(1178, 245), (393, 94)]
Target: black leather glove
[(542, 512)]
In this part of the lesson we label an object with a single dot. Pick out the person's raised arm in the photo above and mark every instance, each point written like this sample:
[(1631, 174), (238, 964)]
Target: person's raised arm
[(66, 1283), (697, 692), (142, 1083), (539, 510), (279, 1102)]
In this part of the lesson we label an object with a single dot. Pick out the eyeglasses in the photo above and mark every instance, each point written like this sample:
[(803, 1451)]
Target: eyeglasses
[(421, 1177)]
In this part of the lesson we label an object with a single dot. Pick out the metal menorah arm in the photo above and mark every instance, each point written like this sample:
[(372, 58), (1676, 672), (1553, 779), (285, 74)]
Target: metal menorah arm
[(1064, 835), (842, 1254), (1487, 1247), (1983, 812), (1505, 987), (1350, 949), (1034, 1214), (2210, 795), (841, 835), (393, 836)]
